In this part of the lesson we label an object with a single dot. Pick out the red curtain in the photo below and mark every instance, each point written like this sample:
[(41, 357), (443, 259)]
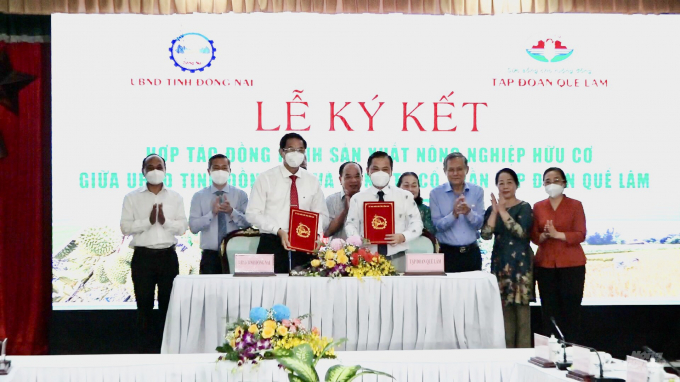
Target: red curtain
[(26, 207)]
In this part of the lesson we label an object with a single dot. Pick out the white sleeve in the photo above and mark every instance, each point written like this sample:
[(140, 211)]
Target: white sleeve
[(256, 206), (128, 224), (354, 217), (414, 228)]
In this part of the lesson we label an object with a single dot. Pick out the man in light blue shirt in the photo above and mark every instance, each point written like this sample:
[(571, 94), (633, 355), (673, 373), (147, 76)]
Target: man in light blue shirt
[(458, 213), (216, 211)]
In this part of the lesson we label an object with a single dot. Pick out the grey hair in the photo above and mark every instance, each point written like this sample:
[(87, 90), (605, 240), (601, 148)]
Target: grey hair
[(454, 156)]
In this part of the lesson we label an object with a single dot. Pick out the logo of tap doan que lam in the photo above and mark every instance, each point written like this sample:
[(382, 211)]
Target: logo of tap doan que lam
[(549, 50), (379, 222), (303, 231)]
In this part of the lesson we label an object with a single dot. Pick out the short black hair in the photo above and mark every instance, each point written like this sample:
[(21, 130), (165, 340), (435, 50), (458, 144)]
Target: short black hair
[(510, 172), (152, 155), (558, 170), (418, 199), (342, 167), (378, 154), (285, 138), (218, 156), (454, 156)]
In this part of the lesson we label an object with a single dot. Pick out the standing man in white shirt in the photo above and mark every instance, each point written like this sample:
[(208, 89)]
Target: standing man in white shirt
[(277, 190), (351, 177), (154, 216), (407, 222), (215, 212)]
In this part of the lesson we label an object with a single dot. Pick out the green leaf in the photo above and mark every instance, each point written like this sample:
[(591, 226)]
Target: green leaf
[(300, 362), (304, 353), (368, 372), (276, 353), (339, 373), (295, 378), (329, 346), (226, 348)]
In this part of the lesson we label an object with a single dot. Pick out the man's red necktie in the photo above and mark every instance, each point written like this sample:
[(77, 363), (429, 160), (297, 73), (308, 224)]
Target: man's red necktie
[(293, 192)]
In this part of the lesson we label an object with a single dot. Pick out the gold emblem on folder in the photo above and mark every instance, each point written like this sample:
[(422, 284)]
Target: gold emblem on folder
[(303, 231), (379, 222)]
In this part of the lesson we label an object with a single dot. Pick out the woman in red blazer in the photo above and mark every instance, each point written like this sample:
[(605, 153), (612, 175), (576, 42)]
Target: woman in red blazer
[(559, 228)]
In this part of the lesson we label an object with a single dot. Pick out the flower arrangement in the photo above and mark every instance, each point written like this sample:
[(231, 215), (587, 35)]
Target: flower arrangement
[(365, 263), (252, 340), (332, 259), (339, 258)]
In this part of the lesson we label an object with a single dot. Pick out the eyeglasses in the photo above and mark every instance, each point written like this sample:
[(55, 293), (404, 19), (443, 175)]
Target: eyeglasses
[(293, 150), (554, 181)]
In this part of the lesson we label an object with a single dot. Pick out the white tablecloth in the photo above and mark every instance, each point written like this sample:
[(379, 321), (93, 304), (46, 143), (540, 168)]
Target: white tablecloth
[(457, 311), (492, 365), (408, 366)]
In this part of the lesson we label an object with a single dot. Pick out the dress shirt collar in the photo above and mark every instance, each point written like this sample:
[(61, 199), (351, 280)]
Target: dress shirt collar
[(214, 189), (145, 188), (448, 188), (286, 174), (387, 190)]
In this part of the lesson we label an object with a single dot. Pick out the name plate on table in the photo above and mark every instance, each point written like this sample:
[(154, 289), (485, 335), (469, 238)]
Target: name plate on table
[(302, 228), (541, 356), (378, 221), (636, 370), (418, 264), (581, 366), (250, 265)]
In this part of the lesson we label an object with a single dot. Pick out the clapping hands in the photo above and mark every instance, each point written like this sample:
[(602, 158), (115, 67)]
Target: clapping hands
[(460, 207), (497, 206)]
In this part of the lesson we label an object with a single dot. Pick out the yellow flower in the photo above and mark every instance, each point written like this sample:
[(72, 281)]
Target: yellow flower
[(269, 324), (238, 332), (330, 255), (341, 252), (351, 248), (282, 330), (316, 262), (232, 343), (253, 329), (330, 263), (342, 259), (267, 332)]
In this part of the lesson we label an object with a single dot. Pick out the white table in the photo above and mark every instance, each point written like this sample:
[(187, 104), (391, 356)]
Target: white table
[(457, 311), (414, 365), (492, 365)]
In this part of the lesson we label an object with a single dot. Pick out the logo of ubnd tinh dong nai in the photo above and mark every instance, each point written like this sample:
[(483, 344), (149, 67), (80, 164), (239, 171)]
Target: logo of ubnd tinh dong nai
[(192, 52), (549, 50)]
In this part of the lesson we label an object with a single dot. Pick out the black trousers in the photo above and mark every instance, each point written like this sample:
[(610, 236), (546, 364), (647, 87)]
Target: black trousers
[(151, 268), (272, 244), (465, 258), (561, 291), (211, 264)]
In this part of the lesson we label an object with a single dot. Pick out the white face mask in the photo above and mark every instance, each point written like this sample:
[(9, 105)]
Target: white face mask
[(554, 190), (219, 177), (155, 177), (295, 159), (380, 179)]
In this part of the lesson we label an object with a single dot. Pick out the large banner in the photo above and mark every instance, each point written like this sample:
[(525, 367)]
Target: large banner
[(592, 94)]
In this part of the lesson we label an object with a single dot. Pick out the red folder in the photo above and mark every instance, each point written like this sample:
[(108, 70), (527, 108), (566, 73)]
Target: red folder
[(378, 221), (302, 229)]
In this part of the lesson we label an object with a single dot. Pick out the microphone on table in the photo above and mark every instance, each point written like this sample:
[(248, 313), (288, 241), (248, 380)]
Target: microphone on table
[(660, 357), (561, 365), (601, 378)]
